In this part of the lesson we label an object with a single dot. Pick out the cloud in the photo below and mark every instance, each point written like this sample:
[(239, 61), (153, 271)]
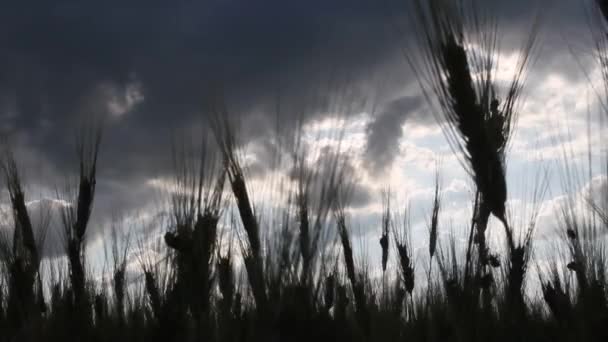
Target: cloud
[(575, 204), (386, 130)]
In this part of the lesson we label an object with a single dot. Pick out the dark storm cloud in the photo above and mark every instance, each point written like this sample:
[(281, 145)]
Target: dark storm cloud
[(385, 130), (61, 61), (57, 57)]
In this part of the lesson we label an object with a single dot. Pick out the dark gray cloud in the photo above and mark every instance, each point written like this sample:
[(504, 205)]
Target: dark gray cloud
[(62, 61), (385, 130)]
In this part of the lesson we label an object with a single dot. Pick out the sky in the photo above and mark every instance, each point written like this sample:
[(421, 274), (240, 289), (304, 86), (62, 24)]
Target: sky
[(147, 68)]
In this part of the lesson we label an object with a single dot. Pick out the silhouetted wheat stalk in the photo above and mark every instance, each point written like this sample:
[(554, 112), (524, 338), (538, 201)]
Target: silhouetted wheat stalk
[(403, 244), (119, 249), (196, 204), (384, 237), (315, 196), (457, 71), (354, 279), (588, 258), (156, 277), (519, 251), (75, 217), (433, 230), (22, 259), (556, 295), (252, 253)]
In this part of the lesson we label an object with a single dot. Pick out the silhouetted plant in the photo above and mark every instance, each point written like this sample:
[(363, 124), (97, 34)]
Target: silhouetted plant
[(75, 218)]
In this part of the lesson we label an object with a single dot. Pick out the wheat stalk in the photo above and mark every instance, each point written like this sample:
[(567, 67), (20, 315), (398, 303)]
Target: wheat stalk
[(457, 71)]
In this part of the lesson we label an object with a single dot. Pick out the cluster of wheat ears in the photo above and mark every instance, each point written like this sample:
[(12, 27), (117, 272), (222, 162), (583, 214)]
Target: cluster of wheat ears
[(294, 284)]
